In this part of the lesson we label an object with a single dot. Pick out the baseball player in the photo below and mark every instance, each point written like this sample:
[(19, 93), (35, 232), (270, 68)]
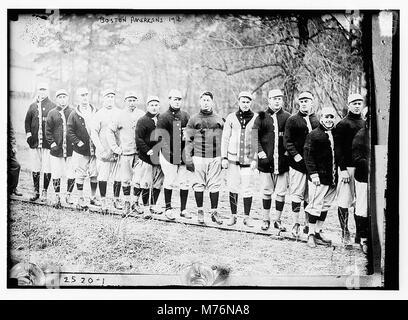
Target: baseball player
[(322, 178), (121, 138), (344, 133), (360, 155), (56, 132), (170, 133), (272, 161), (149, 176), (13, 172), (297, 127), (238, 149), (204, 132), (79, 129), (35, 133), (107, 163)]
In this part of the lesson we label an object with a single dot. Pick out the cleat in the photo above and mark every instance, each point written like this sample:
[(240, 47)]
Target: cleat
[(248, 222), (104, 206), (311, 243), (278, 225), (117, 205), (364, 246), (265, 225), (296, 230), (95, 202), (57, 203), (136, 208), (154, 209), (321, 240), (185, 214), (306, 229), (81, 205), (215, 217), (35, 197), (147, 214), (200, 216), (169, 214), (126, 209), (43, 197), (68, 199), (232, 220)]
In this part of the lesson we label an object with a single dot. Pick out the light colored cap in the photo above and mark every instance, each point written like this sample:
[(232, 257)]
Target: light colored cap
[(175, 94), (275, 93), (60, 92), (42, 85), (328, 110), (152, 98), (305, 95), (246, 94), (108, 91), (353, 97), (82, 91), (130, 93)]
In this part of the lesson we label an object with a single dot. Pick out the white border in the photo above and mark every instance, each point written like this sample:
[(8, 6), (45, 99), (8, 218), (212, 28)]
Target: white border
[(149, 294)]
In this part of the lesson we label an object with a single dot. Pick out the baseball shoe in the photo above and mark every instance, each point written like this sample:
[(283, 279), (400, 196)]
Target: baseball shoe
[(15, 192), (278, 225), (215, 217), (35, 197), (364, 246), (185, 214), (306, 229), (169, 214), (136, 208), (321, 240), (146, 213), (81, 205), (232, 220), (117, 205), (200, 216), (296, 230), (311, 242), (154, 209), (248, 222), (68, 199), (57, 202), (265, 225), (95, 202), (104, 206), (126, 209)]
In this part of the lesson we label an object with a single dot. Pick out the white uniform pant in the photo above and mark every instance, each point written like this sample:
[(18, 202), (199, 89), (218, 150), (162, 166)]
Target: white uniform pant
[(347, 191), (84, 166), (147, 176), (361, 199), (321, 198), (274, 183), (108, 170), (207, 174), (62, 167), (239, 180), (176, 176), (126, 170), (40, 160), (297, 185)]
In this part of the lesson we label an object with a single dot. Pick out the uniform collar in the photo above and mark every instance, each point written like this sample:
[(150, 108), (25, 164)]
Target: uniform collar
[(172, 110), (352, 115), (206, 113), (151, 115)]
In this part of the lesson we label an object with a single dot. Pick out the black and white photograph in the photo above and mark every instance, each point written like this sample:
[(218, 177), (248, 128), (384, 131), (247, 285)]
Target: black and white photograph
[(202, 148)]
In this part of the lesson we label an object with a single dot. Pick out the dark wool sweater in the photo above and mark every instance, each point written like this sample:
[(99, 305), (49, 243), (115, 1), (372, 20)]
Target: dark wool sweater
[(360, 154), (203, 135), (170, 125), (144, 140), (56, 132), (318, 155), (295, 136), (264, 125), (79, 132), (32, 122), (344, 133)]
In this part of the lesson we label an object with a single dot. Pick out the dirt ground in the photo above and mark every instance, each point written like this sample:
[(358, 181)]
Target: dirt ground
[(88, 242)]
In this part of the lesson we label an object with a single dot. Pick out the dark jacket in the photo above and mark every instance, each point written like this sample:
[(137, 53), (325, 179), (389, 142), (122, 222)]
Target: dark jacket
[(318, 156), (360, 153), (203, 135), (79, 131), (32, 122), (295, 136), (172, 142), (144, 139), (56, 132), (344, 133), (266, 140)]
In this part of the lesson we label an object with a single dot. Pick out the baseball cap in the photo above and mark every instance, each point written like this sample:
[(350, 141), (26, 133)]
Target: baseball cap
[(305, 95), (60, 92), (152, 98), (275, 93), (42, 85), (353, 97), (129, 94), (108, 91), (246, 94), (328, 110), (82, 91), (207, 93), (175, 94)]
